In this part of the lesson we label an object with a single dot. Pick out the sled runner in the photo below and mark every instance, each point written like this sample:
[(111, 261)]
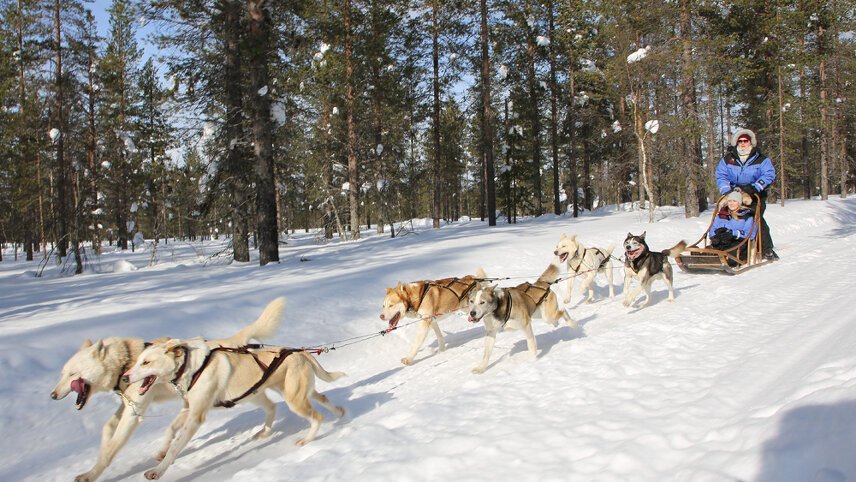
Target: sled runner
[(702, 257)]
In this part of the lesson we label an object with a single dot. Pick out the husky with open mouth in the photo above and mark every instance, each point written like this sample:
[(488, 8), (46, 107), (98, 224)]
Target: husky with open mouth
[(645, 266), (99, 367), (430, 301), (209, 377), (585, 262)]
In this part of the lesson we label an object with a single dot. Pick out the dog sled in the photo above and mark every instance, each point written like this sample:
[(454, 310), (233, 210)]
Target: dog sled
[(702, 257)]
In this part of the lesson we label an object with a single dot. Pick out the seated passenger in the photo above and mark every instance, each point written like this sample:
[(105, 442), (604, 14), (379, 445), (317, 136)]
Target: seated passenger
[(733, 224)]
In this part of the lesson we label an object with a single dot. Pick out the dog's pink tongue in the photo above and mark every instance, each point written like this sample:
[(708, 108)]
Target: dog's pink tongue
[(78, 385)]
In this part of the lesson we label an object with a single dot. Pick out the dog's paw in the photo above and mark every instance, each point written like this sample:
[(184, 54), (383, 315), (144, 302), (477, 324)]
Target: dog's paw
[(572, 323), (87, 477), (339, 412), (153, 474), (478, 370), (262, 434), (626, 303), (302, 442), (407, 361), (566, 301)]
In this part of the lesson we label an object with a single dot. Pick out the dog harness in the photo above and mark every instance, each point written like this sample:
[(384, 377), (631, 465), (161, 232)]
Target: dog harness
[(528, 286), (267, 370), (446, 283), (581, 257)]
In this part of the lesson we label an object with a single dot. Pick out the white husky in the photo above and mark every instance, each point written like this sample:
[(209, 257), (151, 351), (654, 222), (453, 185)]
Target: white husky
[(222, 377), (585, 262), (98, 367)]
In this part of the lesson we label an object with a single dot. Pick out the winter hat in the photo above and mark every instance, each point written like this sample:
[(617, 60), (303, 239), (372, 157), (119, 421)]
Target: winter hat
[(744, 133), (734, 196)]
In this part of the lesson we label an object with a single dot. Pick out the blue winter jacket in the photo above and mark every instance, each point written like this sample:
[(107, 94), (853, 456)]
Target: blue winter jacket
[(758, 171), (739, 227)]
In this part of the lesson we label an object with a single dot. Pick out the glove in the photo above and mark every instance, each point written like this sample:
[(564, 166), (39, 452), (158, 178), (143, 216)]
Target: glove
[(737, 233), (758, 185), (748, 189)]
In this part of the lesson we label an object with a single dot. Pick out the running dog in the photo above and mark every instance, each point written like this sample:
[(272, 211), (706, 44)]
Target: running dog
[(98, 367), (514, 308), (584, 261), (646, 266), (225, 376), (430, 301)]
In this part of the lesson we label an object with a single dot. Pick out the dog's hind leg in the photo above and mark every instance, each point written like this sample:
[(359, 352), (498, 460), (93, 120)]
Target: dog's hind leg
[(669, 284), (299, 384), (326, 403), (609, 276), (531, 343), (270, 413), (171, 431), (587, 284)]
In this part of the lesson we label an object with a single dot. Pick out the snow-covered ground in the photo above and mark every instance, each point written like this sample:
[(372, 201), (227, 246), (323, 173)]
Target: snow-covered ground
[(741, 378)]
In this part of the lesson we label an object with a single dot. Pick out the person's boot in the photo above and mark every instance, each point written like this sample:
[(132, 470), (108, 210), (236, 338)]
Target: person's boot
[(770, 255)]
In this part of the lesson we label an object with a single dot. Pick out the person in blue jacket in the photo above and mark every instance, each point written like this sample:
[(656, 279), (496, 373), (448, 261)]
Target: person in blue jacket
[(733, 224), (745, 169)]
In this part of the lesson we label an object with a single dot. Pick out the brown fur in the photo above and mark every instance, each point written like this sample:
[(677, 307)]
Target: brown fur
[(430, 301)]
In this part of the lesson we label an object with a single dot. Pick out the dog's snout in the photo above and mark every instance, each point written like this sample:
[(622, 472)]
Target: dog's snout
[(382, 317), (473, 313), (126, 378), (556, 252), (54, 395)]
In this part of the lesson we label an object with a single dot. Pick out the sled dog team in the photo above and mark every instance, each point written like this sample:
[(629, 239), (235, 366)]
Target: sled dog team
[(204, 374)]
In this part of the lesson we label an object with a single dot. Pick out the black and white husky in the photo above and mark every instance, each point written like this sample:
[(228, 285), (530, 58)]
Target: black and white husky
[(646, 266)]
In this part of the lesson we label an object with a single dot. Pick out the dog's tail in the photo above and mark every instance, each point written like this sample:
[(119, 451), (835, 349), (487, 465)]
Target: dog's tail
[(264, 327), (480, 273), (675, 250), (609, 249), (551, 274), (320, 372)]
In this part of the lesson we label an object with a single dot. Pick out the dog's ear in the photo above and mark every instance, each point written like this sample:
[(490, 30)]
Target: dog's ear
[(86, 344), (176, 348), (629, 235), (643, 234), (160, 340), (563, 236), (98, 350)]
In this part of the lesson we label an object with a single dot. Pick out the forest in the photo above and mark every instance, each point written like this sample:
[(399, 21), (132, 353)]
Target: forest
[(258, 118)]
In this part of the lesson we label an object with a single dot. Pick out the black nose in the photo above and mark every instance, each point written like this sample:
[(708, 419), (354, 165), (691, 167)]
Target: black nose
[(53, 395), (473, 314)]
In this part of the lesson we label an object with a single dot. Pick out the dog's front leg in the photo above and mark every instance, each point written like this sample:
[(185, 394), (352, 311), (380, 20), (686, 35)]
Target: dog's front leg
[(417, 342), (192, 421), (626, 289), (569, 289), (106, 434), (609, 276), (171, 431), (124, 427), (489, 340), (110, 427), (643, 274)]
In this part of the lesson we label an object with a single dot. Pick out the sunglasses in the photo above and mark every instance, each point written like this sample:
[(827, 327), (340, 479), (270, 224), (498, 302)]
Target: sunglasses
[(743, 141)]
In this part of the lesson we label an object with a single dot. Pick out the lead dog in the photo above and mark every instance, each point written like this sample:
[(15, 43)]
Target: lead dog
[(587, 262), (431, 301), (99, 367), (514, 308), (644, 265), (225, 376)]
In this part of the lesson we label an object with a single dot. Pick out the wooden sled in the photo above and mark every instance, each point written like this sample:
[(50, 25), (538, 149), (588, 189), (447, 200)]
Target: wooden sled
[(701, 257)]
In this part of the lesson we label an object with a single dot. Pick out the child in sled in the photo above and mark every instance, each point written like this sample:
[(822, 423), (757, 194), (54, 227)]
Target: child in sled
[(733, 224)]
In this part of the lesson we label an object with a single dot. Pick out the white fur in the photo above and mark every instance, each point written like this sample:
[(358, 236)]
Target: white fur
[(100, 365), (590, 262)]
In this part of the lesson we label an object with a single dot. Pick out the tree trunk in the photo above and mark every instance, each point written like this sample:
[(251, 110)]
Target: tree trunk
[(61, 213), (535, 120), (554, 118), (487, 119), (824, 128), (258, 43), (435, 55), (692, 148), (236, 155), (353, 165)]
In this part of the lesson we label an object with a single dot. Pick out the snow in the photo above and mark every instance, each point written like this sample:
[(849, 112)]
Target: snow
[(54, 134), (750, 377), (542, 41), (638, 55), (277, 113), (263, 91), (502, 72), (652, 126), (616, 126)]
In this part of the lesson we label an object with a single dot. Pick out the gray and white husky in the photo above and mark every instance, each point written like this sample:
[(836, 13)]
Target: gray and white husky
[(645, 266)]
